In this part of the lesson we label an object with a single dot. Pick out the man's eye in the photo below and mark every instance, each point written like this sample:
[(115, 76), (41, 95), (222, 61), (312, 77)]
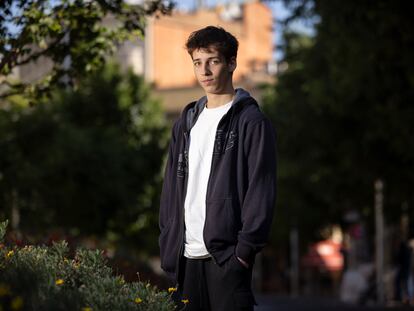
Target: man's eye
[(214, 61), (196, 64)]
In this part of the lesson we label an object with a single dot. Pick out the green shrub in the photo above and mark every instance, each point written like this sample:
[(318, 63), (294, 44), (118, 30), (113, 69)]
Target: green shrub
[(46, 278)]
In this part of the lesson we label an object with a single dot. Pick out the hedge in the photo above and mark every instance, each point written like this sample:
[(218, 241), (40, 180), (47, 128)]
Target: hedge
[(47, 278)]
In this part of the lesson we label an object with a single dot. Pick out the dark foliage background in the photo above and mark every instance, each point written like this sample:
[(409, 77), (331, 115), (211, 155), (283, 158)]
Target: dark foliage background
[(344, 114)]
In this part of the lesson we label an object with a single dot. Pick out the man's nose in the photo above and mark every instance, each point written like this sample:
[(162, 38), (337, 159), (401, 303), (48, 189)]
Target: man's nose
[(206, 69)]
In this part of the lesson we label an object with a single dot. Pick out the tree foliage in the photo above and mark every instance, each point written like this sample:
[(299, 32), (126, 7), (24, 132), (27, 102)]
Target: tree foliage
[(89, 159), (72, 34), (344, 112)]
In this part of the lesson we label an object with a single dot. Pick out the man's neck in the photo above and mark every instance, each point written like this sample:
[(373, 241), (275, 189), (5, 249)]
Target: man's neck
[(217, 100)]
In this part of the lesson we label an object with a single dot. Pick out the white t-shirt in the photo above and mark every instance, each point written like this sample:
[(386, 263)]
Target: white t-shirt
[(202, 137)]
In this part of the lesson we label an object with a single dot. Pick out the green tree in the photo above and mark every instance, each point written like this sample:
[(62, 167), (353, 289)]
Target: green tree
[(90, 159), (343, 110), (70, 33)]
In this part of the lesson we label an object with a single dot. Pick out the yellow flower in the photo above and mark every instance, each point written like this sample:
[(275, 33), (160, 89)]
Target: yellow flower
[(9, 254), (4, 290), (185, 301), (17, 303), (59, 282), (138, 300), (86, 309), (172, 289)]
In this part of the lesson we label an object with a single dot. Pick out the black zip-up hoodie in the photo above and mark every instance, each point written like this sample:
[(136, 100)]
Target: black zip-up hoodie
[(241, 188)]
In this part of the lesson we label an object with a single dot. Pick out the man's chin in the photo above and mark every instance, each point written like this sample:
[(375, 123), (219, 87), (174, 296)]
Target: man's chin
[(212, 90)]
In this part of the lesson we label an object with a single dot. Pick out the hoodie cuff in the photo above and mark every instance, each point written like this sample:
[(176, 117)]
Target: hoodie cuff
[(245, 252)]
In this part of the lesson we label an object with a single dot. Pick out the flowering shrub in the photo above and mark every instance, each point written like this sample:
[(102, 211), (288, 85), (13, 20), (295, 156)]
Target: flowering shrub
[(45, 278)]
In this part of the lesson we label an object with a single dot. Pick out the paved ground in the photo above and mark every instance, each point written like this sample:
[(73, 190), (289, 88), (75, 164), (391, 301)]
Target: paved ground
[(274, 303)]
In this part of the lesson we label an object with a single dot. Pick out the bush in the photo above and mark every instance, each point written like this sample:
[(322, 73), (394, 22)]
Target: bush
[(46, 278)]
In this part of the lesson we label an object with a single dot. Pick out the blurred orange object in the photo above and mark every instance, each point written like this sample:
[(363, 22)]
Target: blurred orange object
[(325, 255)]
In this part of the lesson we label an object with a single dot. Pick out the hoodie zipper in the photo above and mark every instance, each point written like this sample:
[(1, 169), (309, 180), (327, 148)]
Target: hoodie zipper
[(212, 162)]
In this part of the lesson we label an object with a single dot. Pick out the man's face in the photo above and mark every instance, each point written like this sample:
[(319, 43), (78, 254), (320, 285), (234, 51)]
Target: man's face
[(212, 71)]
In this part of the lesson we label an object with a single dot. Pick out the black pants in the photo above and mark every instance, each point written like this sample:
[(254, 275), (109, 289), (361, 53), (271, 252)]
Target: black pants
[(210, 287)]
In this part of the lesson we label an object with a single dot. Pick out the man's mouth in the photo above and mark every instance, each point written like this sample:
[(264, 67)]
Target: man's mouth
[(207, 81)]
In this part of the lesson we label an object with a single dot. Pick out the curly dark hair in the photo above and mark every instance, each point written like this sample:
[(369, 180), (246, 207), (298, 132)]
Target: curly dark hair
[(211, 36)]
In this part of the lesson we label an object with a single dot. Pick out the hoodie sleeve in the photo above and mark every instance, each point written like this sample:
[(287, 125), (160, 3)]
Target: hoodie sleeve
[(167, 182), (258, 205)]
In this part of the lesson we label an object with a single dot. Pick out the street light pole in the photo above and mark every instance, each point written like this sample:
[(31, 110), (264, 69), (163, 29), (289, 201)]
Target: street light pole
[(379, 241), (294, 261)]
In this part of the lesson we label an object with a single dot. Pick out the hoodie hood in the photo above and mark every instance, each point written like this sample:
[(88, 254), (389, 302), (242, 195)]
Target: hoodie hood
[(241, 99)]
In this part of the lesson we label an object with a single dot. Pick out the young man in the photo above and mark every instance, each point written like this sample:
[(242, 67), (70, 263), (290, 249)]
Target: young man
[(219, 188)]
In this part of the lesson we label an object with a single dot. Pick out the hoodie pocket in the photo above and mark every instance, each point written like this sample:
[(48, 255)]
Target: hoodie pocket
[(220, 226), (168, 241)]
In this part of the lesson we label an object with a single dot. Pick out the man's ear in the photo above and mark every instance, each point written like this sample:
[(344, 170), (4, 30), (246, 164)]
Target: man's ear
[(232, 64)]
